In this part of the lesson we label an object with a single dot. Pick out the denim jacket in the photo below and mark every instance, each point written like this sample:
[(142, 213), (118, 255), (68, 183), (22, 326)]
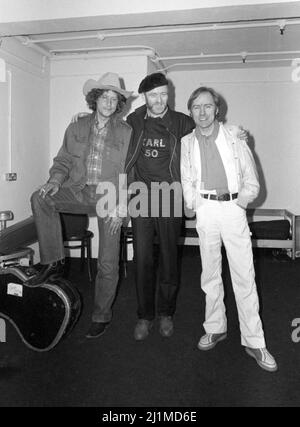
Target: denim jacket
[(69, 166)]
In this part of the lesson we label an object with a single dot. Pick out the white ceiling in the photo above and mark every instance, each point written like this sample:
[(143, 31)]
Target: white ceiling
[(232, 36)]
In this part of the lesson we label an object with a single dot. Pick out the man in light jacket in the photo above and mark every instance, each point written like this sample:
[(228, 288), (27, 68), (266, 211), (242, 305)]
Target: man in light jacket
[(219, 179)]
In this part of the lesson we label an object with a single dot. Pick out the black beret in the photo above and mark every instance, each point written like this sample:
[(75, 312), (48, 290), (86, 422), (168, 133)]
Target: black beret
[(152, 81)]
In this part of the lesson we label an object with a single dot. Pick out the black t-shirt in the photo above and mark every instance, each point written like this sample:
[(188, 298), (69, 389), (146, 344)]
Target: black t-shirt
[(154, 160)]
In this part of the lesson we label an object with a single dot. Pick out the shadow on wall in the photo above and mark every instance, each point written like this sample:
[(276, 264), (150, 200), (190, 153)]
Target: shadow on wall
[(251, 144), (128, 106), (171, 99), (261, 177)]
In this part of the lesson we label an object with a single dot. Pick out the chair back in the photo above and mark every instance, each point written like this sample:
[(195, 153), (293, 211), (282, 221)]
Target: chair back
[(74, 225)]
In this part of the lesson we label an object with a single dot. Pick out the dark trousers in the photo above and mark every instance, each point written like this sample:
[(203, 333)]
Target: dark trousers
[(167, 231), (47, 219)]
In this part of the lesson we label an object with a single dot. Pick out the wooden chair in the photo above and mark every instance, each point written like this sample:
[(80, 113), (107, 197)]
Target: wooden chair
[(75, 229)]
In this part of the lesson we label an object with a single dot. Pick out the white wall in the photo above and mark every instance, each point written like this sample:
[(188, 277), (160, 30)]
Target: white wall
[(26, 151), (29, 114), (267, 103), (25, 142), (66, 98), (264, 101)]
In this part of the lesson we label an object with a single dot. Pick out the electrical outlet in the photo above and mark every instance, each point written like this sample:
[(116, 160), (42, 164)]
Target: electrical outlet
[(12, 176)]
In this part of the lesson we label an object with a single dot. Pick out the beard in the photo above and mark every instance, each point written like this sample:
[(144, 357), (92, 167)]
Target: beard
[(157, 108)]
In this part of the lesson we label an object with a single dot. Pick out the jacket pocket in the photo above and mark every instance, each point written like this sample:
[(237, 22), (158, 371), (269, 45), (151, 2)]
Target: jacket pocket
[(77, 149), (115, 156)]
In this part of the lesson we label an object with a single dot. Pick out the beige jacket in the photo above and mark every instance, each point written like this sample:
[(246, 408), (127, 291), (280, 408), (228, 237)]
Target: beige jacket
[(238, 162)]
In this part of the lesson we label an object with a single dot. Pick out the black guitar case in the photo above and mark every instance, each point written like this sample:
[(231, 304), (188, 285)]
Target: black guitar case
[(42, 314)]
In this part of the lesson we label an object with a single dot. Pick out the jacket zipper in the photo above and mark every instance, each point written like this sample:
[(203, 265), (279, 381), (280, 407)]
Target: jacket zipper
[(135, 151), (172, 153)]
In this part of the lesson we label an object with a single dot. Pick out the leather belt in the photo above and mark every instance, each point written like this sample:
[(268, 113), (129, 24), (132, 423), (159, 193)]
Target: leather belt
[(221, 198)]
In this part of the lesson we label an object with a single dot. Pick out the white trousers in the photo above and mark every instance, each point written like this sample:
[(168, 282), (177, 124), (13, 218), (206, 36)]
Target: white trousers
[(227, 222)]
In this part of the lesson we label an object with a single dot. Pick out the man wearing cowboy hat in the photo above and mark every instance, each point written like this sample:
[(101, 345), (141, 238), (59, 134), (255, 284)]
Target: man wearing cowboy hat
[(94, 150), (154, 157)]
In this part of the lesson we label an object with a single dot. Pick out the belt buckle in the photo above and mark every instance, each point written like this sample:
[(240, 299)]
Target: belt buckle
[(224, 197)]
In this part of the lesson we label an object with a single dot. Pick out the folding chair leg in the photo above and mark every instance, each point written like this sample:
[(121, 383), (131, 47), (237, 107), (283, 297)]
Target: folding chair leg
[(82, 254), (89, 254), (123, 255)]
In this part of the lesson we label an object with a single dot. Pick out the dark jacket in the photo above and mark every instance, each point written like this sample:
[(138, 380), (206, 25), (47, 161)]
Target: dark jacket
[(69, 166), (177, 124)]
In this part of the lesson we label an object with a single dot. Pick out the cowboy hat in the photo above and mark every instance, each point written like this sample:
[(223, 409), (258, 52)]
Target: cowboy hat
[(109, 81)]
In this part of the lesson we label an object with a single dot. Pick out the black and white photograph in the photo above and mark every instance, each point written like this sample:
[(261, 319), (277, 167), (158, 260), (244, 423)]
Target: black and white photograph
[(149, 206)]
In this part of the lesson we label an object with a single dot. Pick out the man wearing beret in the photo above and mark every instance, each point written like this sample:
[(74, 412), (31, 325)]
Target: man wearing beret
[(154, 157), (94, 151)]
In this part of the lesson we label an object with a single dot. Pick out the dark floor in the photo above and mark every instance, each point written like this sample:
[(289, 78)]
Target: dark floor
[(114, 370)]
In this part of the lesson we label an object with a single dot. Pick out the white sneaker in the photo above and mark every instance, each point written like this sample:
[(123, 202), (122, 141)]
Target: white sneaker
[(209, 341), (263, 358)]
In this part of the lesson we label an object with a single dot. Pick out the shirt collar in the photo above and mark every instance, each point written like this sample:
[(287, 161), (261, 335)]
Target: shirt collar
[(209, 138), (97, 123)]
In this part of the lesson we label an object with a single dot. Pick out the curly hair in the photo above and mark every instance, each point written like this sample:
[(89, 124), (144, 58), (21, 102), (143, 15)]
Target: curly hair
[(93, 95)]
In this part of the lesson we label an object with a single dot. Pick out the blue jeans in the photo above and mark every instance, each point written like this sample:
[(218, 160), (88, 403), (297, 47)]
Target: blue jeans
[(47, 219)]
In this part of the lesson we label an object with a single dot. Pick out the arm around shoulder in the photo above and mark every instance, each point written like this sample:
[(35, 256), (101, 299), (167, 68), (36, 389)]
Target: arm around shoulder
[(186, 173)]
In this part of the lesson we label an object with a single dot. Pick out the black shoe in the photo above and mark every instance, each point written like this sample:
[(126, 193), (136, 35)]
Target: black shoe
[(166, 326), (97, 329), (55, 269), (142, 329)]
